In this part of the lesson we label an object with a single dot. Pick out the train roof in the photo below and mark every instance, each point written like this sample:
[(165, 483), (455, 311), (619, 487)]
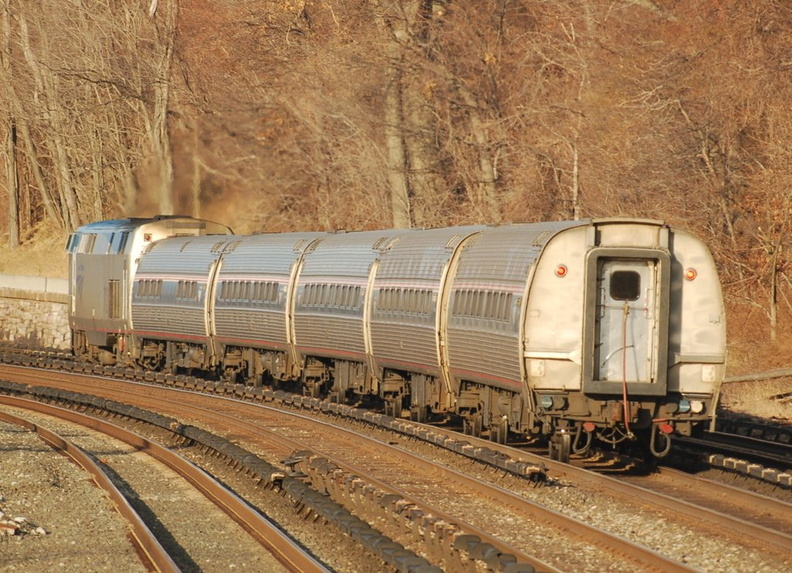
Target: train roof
[(171, 222)]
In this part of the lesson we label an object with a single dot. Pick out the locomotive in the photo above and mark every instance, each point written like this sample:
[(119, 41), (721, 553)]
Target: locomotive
[(604, 330)]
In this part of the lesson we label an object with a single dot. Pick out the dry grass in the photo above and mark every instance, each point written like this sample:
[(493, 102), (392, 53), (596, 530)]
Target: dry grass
[(43, 254), (756, 399)]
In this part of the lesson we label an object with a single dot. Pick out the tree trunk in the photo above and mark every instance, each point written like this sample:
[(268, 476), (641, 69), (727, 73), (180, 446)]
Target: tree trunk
[(45, 84), (396, 155), (12, 179), (160, 136), (487, 192), (9, 131)]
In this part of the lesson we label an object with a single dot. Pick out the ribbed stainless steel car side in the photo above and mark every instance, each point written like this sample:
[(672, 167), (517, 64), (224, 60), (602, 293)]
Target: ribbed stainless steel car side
[(404, 331), (332, 293), (162, 308), (269, 260), (486, 299)]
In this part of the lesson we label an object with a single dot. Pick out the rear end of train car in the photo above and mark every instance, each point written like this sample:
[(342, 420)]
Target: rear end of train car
[(624, 336)]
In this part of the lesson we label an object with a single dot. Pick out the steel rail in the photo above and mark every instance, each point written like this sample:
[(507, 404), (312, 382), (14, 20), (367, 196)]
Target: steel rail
[(282, 547), (147, 545), (779, 539), (634, 552)]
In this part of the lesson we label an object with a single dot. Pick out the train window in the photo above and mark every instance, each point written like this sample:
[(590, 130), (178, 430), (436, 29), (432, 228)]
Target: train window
[(187, 290), (110, 243), (387, 299), (625, 285), (87, 242), (356, 298), (344, 299), (459, 302), (155, 288), (122, 242)]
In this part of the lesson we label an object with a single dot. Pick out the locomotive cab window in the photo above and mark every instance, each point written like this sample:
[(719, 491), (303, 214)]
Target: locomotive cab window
[(625, 285)]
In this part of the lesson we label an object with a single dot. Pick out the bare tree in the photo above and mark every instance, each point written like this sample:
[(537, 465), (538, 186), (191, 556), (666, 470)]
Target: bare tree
[(158, 129)]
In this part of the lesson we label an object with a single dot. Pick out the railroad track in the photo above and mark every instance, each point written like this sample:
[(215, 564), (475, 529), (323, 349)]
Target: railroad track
[(235, 408), (779, 546), (421, 485), (285, 550)]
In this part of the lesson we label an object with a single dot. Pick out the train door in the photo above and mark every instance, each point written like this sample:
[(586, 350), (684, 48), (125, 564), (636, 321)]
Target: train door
[(626, 309), (628, 334)]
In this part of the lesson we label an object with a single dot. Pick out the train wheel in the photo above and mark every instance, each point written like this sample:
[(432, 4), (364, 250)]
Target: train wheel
[(418, 414), (560, 445)]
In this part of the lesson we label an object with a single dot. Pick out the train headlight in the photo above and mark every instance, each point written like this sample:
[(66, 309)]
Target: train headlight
[(697, 406), (561, 271), (546, 402), (684, 406), (691, 274)]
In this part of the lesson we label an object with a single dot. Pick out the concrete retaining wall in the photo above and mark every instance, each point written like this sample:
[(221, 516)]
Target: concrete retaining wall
[(34, 311)]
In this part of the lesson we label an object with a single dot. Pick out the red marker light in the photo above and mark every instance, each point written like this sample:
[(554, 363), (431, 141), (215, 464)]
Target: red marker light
[(561, 271), (147, 237), (690, 274)]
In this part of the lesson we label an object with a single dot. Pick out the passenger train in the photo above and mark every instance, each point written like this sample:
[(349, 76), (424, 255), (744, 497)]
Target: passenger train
[(602, 330)]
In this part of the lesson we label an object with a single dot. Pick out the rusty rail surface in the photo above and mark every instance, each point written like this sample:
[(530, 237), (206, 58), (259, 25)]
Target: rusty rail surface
[(625, 549), (283, 548), (735, 521), (780, 540), (146, 543)]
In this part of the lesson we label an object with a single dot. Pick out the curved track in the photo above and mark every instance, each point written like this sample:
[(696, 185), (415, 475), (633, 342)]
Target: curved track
[(286, 550), (428, 485), (727, 513)]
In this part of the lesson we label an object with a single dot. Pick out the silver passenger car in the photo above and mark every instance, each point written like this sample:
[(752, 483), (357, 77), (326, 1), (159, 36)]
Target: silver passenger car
[(253, 306), (606, 328), (407, 316), (332, 312), (172, 301)]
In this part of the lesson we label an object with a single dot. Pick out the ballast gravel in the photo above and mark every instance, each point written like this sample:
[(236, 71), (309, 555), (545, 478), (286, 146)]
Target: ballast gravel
[(79, 529), (65, 523)]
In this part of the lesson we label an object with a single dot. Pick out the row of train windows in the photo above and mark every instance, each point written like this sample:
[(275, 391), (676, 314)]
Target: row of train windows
[(335, 296), (150, 288), (111, 244), (482, 304), (466, 303), (249, 291), (410, 300), (187, 289)]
